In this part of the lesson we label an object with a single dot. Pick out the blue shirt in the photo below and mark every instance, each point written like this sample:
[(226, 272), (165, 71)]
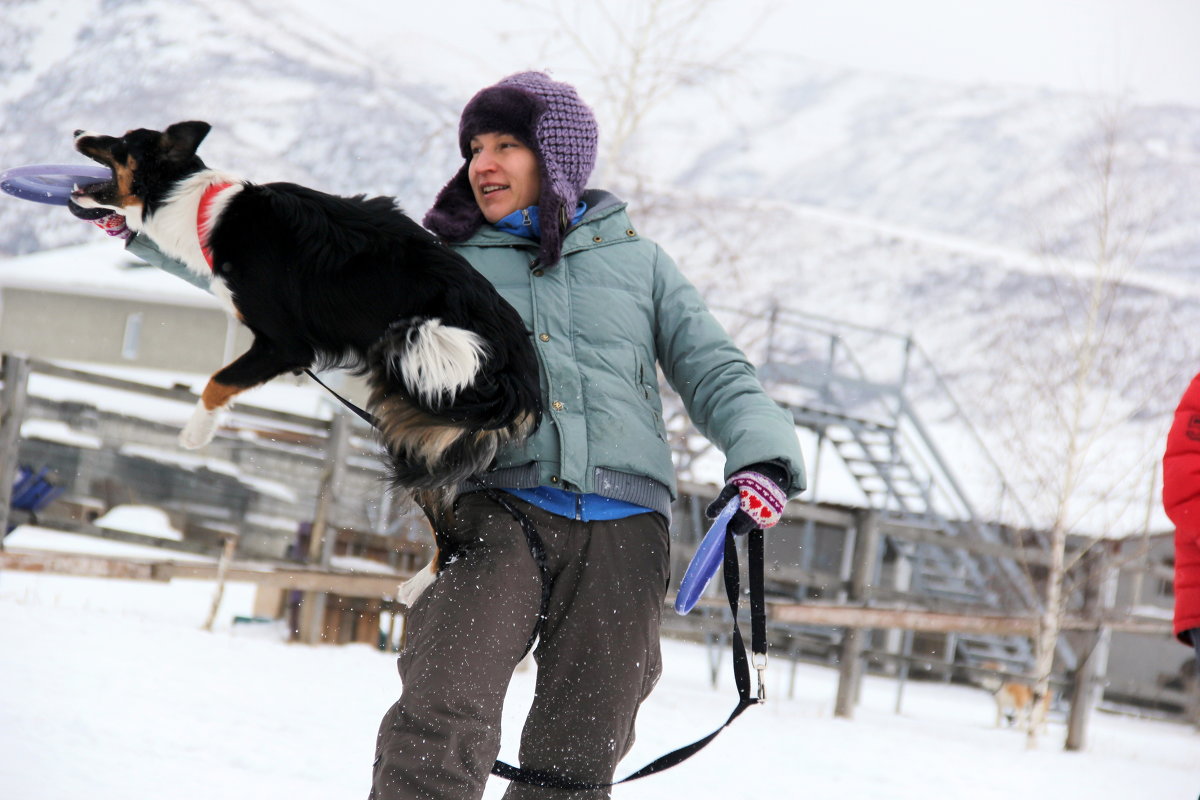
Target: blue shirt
[(573, 505), (560, 502)]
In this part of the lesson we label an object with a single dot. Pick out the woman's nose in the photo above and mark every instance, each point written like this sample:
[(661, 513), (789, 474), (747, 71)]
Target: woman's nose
[(484, 161)]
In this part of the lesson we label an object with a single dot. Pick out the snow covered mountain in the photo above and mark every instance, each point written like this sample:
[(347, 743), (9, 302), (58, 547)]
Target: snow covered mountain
[(286, 101), (973, 218)]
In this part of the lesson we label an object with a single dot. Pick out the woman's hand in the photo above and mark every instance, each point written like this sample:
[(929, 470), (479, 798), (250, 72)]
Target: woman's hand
[(763, 498)]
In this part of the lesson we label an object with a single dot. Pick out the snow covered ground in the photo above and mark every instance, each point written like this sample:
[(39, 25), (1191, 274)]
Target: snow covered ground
[(112, 691)]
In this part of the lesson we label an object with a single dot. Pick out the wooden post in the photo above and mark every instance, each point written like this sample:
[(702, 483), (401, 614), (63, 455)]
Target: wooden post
[(12, 412), (894, 642), (902, 677), (312, 604), (1100, 597), (227, 551), (862, 570)]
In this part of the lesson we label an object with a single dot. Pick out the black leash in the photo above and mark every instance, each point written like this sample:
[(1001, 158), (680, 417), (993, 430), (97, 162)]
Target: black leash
[(741, 674), (366, 416), (537, 549)]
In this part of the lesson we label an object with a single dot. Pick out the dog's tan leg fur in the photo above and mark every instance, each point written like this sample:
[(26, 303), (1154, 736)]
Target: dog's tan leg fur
[(217, 395)]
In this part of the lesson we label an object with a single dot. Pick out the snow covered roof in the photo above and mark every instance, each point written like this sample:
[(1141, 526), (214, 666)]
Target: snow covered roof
[(99, 269)]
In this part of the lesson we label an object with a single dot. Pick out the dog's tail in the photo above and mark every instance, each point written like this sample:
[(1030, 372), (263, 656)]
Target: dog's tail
[(445, 406)]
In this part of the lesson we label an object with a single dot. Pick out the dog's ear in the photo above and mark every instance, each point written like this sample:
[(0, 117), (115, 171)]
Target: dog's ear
[(181, 139)]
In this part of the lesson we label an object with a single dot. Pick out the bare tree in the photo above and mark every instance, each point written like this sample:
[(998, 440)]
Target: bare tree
[(650, 52), (1078, 381)]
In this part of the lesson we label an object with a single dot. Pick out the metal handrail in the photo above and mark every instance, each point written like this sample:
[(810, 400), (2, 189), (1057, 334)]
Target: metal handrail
[(835, 330)]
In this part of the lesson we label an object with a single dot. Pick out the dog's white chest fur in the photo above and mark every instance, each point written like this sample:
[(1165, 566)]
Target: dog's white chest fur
[(225, 297), (177, 231)]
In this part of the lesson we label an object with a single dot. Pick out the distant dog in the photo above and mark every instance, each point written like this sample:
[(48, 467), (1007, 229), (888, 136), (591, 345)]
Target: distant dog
[(1015, 702), (330, 281)]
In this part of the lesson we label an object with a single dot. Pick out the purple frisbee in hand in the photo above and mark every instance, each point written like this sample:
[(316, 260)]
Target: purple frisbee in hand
[(707, 559), (50, 183)]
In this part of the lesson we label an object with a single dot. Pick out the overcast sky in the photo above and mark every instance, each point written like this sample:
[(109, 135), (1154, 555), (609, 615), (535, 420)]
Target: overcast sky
[(1147, 48)]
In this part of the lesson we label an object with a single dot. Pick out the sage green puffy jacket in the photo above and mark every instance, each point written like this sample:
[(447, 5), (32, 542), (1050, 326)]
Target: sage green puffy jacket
[(613, 306)]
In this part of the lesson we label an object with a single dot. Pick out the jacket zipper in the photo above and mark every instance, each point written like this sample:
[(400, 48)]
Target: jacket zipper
[(579, 507)]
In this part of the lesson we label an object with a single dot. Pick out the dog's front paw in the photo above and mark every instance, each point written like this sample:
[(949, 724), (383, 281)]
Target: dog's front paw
[(200, 429)]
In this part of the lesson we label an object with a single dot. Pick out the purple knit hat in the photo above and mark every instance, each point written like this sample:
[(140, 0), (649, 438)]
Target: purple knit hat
[(549, 118)]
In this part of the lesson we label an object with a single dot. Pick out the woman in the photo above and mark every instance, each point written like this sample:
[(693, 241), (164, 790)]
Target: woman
[(604, 305)]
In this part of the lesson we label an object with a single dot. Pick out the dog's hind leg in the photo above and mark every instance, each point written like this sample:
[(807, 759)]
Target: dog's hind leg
[(415, 586), (256, 366)]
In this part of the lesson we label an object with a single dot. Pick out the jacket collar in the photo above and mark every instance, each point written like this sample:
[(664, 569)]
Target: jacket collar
[(527, 222), (601, 206)]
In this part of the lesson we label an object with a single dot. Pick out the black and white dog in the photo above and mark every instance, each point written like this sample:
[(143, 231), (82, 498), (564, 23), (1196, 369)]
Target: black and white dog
[(326, 281)]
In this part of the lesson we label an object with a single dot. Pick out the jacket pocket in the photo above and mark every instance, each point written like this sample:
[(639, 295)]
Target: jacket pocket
[(646, 380)]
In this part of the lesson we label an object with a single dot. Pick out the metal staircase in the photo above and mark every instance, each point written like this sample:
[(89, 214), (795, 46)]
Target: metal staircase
[(851, 385)]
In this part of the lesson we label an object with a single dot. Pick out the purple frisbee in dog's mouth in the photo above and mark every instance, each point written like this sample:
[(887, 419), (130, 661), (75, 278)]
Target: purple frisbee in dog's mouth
[(50, 183)]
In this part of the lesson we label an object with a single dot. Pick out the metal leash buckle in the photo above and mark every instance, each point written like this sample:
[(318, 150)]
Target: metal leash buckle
[(761, 666)]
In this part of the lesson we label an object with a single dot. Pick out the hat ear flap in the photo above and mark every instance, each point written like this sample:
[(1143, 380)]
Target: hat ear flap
[(455, 215)]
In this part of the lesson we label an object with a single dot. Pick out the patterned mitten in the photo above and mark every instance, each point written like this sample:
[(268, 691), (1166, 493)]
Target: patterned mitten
[(763, 498)]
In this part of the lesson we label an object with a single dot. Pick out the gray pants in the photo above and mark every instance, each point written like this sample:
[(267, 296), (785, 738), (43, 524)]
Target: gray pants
[(598, 655)]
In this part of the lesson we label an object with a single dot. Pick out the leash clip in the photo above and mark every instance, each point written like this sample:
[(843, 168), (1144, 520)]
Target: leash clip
[(761, 667)]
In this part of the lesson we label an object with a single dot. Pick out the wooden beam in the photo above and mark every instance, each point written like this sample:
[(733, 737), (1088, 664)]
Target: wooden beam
[(385, 586), (78, 565), (942, 622), (179, 393), (905, 619), (821, 515), (795, 511), (346, 584), (915, 533), (68, 525), (1151, 627)]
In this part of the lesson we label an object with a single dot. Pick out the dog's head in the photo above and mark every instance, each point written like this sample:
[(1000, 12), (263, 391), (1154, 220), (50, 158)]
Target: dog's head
[(145, 166)]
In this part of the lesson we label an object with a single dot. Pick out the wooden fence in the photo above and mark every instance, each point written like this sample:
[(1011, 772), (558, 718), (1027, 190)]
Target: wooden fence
[(852, 597)]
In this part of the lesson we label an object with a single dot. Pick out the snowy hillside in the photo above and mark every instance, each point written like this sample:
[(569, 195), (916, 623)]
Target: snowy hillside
[(966, 216), (1003, 166)]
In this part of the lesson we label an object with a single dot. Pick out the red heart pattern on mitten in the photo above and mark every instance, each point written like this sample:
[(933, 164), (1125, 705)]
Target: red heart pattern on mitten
[(761, 498)]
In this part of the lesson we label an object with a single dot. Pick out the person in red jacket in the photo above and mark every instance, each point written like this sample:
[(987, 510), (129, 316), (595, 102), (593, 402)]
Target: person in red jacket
[(1181, 500)]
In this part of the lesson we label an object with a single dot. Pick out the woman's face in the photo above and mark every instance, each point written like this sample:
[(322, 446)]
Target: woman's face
[(504, 175)]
